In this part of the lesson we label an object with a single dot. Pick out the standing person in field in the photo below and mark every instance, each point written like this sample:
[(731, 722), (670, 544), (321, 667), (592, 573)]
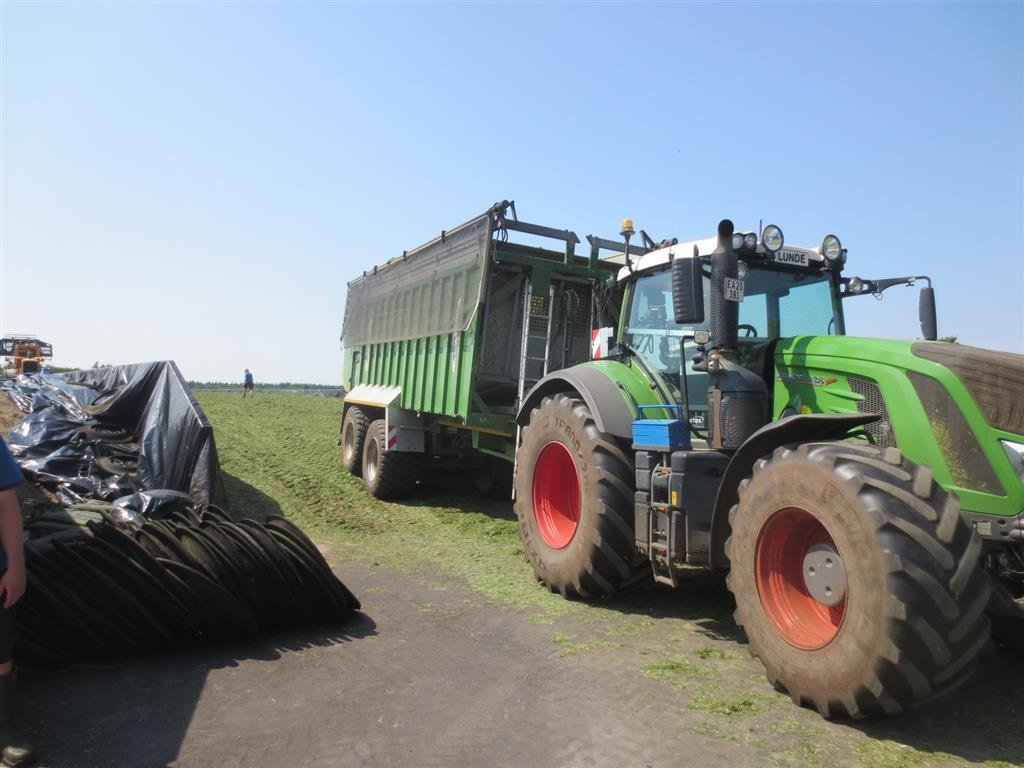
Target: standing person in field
[(248, 384), (16, 751)]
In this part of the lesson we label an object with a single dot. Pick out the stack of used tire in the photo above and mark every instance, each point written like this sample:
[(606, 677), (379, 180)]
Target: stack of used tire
[(114, 450), (107, 586)]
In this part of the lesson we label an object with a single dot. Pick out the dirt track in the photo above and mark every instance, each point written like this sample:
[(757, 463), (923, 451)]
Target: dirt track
[(426, 677), (432, 676)]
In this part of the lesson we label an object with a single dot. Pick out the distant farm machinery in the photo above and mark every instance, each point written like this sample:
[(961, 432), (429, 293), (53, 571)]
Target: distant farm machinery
[(25, 354)]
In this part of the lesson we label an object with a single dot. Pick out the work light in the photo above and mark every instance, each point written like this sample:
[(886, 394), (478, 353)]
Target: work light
[(831, 248), (771, 238)]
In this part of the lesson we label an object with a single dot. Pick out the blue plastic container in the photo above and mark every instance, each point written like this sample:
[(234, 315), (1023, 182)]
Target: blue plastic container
[(661, 434)]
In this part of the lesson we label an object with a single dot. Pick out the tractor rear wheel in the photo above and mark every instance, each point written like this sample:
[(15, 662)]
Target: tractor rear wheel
[(574, 502), (856, 579), (353, 436), (387, 474)]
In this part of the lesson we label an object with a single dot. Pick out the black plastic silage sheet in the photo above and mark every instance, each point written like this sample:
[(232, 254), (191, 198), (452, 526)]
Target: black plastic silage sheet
[(141, 556), (109, 432)]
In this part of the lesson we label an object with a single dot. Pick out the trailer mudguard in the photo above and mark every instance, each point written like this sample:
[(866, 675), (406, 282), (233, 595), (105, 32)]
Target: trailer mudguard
[(804, 428), (611, 403), (374, 395)]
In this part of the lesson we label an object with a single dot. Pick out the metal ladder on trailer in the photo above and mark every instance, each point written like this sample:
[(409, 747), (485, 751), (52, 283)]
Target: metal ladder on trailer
[(537, 313)]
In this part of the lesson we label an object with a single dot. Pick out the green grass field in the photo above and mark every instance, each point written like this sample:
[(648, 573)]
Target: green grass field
[(279, 454)]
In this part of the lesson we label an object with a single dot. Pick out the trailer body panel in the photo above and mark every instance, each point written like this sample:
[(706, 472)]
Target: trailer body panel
[(468, 322)]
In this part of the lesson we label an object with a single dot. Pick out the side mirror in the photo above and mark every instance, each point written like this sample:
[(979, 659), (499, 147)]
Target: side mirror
[(926, 312), (688, 290)]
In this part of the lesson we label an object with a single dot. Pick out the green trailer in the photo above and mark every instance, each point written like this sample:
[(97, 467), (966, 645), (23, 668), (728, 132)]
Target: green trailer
[(441, 343)]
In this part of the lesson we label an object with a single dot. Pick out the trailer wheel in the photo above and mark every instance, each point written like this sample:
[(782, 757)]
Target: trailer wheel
[(353, 436), (574, 502), (856, 579), (493, 478), (387, 474)]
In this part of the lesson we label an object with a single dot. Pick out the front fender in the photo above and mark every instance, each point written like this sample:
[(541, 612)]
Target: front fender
[(805, 428), (610, 388)]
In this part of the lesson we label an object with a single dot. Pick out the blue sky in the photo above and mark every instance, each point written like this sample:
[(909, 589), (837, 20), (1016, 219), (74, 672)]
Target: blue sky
[(199, 181)]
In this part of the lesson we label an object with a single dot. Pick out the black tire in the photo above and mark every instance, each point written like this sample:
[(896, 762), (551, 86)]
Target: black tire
[(105, 431), (493, 478), (387, 474), (117, 465), (911, 620), (102, 402), (595, 554), (353, 437), (1006, 612)]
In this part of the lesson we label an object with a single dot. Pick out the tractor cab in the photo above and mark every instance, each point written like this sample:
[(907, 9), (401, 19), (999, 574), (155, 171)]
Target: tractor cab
[(776, 291), (784, 292)]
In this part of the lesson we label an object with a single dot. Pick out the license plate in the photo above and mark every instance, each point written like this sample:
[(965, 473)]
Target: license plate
[(792, 258), (733, 290)]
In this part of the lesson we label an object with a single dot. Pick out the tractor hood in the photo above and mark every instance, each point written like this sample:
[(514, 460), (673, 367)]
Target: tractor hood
[(891, 352), (994, 379), (954, 408)]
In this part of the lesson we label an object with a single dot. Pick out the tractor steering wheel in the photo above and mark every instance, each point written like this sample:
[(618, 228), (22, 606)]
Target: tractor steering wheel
[(750, 330)]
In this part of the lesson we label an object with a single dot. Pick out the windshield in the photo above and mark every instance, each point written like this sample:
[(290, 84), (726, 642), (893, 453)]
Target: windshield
[(775, 305)]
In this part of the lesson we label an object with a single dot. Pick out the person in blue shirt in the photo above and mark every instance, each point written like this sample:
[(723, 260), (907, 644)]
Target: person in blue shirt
[(16, 751), (247, 386)]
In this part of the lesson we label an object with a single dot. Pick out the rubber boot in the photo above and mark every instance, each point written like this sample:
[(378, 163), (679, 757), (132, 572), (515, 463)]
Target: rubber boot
[(16, 751)]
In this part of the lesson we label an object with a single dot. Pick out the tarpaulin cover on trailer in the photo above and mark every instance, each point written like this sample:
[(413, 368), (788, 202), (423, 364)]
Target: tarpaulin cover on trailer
[(108, 432), (430, 291)]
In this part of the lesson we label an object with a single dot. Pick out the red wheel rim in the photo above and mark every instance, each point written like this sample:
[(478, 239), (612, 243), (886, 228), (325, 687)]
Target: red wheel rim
[(782, 545), (556, 495)]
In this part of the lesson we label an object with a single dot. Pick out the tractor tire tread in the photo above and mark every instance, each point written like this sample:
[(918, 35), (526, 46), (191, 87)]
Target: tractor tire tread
[(611, 563), (938, 592)]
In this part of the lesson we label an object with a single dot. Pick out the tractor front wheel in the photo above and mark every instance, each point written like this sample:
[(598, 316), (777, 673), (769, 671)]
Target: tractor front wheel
[(574, 502), (856, 579)]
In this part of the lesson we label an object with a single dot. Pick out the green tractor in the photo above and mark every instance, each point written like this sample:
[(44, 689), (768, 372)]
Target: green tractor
[(866, 495)]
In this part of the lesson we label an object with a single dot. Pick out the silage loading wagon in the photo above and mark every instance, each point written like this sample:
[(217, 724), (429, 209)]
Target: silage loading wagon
[(441, 343)]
